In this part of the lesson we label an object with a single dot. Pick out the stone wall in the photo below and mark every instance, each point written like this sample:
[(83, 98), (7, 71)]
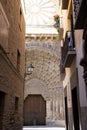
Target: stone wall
[(16, 31), (83, 115), (11, 84), (11, 65)]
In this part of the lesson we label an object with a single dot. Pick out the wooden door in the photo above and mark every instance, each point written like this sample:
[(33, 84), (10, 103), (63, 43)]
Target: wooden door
[(34, 110), (75, 109), (2, 101)]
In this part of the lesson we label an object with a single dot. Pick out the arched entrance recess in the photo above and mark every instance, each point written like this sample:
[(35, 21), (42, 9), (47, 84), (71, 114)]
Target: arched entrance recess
[(44, 55)]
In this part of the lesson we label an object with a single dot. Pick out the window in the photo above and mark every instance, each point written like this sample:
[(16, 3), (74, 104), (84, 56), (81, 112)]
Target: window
[(16, 104), (20, 19), (2, 105), (18, 60)]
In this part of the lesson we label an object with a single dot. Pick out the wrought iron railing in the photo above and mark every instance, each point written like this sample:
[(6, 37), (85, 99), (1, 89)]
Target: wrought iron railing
[(76, 7), (67, 46)]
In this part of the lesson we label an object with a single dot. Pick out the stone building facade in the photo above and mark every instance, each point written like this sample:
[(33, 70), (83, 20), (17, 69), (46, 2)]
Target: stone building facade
[(43, 52), (73, 56), (12, 52)]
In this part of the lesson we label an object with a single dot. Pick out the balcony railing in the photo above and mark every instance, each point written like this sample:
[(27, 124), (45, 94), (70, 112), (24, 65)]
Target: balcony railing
[(68, 50), (76, 7)]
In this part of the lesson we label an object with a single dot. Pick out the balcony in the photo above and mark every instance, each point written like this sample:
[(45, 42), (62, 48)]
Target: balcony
[(80, 12), (68, 50)]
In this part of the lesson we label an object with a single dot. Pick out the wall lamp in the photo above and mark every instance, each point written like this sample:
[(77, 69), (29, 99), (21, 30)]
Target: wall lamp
[(30, 69)]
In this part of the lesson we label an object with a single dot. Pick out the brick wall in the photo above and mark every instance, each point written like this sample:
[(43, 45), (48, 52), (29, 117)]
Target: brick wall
[(11, 83), (12, 77), (16, 31)]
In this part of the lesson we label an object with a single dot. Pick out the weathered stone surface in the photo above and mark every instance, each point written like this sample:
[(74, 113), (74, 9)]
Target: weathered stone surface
[(11, 78), (43, 52)]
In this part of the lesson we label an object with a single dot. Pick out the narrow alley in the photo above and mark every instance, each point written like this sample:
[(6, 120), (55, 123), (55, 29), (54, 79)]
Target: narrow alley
[(43, 64)]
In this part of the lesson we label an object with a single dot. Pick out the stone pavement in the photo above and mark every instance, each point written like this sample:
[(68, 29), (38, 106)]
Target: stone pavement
[(50, 125), (55, 123), (42, 128)]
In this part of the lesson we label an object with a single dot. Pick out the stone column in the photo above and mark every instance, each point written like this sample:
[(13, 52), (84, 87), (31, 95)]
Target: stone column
[(49, 111)]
